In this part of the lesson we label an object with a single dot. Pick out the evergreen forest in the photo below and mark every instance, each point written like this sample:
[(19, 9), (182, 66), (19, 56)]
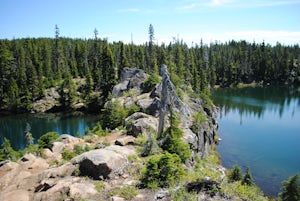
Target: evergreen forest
[(29, 66)]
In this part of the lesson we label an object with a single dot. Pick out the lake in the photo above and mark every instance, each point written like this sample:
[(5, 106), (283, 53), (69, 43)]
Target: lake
[(260, 128), (13, 127)]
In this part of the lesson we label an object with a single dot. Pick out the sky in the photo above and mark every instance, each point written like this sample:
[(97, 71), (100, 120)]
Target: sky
[(270, 21)]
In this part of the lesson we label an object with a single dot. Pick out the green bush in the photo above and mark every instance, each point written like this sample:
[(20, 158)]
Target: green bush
[(7, 152), (46, 140), (174, 144), (235, 174), (199, 119), (67, 155), (113, 115), (162, 170), (32, 148), (97, 130), (127, 192), (290, 189), (248, 179), (151, 81)]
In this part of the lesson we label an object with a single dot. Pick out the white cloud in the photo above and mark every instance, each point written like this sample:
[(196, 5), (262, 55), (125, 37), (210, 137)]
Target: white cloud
[(250, 4), (188, 6), (214, 3), (269, 37), (196, 4), (128, 10)]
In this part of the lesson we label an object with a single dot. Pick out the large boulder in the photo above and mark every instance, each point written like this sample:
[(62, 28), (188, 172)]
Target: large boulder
[(15, 195), (151, 106), (130, 79), (101, 163), (140, 123)]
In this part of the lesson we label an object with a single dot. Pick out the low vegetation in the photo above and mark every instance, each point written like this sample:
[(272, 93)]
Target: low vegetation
[(162, 170)]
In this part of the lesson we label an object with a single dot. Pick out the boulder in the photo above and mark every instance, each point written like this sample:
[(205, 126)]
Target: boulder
[(124, 151), (130, 79), (144, 103), (56, 190), (62, 171), (57, 147), (140, 123), (16, 195), (151, 106), (127, 140), (67, 139), (82, 190), (100, 163)]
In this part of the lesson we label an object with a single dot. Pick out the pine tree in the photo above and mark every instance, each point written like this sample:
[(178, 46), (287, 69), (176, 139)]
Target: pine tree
[(235, 174), (67, 92), (290, 189), (123, 60), (13, 99), (248, 179), (108, 71)]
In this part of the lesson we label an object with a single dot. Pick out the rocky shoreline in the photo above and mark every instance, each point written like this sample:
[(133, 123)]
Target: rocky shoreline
[(111, 165)]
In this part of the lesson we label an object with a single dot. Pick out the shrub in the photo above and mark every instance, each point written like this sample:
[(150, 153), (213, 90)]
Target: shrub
[(199, 119), (173, 143), (248, 179), (7, 152), (162, 170), (151, 81), (113, 115), (97, 130), (32, 148), (290, 189), (235, 174), (46, 140), (127, 192), (67, 155), (99, 186)]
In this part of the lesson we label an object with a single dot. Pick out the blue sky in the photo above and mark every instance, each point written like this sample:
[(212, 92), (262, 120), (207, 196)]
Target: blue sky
[(189, 20)]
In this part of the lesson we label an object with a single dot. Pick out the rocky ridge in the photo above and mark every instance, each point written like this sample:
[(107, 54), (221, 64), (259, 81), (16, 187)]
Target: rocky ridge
[(114, 162)]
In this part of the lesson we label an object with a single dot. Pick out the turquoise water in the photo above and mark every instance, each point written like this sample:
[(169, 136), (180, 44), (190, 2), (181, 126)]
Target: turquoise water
[(260, 128), (13, 127)]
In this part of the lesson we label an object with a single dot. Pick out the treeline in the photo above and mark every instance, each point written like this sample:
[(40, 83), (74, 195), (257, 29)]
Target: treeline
[(29, 66)]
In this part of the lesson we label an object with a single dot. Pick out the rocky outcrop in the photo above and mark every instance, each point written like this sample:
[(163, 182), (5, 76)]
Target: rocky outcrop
[(130, 79), (200, 139), (157, 106), (140, 123), (102, 163), (50, 101)]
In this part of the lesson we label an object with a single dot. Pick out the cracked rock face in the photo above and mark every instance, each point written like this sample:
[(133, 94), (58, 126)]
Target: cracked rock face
[(130, 79), (200, 140)]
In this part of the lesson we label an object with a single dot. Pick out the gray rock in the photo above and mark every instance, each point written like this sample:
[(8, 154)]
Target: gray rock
[(161, 194), (144, 103), (151, 106), (130, 78), (124, 151), (100, 163), (16, 195), (140, 123)]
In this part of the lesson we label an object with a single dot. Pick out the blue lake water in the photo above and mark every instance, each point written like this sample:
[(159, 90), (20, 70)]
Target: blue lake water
[(260, 128), (13, 127)]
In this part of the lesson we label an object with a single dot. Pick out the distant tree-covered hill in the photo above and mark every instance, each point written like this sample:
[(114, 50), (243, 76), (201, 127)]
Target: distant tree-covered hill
[(29, 66)]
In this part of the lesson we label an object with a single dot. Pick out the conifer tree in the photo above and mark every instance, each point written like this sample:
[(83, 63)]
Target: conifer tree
[(248, 179), (13, 98), (108, 70), (290, 189), (235, 174), (123, 60)]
